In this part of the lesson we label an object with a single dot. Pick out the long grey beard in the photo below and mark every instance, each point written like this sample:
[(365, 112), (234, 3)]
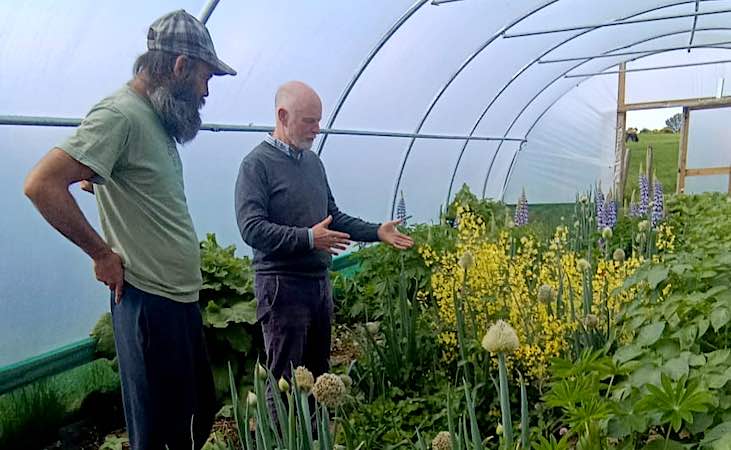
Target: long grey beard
[(178, 110)]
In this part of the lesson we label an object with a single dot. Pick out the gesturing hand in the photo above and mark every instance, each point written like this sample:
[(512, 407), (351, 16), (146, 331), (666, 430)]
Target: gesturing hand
[(329, 240), (110, 271), (389, 234)]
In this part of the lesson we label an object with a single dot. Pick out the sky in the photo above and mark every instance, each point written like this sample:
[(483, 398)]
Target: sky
[(651, 119)]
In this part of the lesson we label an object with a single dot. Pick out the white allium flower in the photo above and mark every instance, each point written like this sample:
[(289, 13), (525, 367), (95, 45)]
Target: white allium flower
[(607, 233), (251, 399), (500, 338), (467, 260), (583, 265), (283, 385), (545, 293), (442, 441), (329, 390), (618, 255), (261, 372), (304, 379)]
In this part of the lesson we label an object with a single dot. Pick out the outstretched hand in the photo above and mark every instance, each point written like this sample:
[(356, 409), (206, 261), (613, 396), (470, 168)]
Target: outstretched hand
[(389, 234), (329, 240)]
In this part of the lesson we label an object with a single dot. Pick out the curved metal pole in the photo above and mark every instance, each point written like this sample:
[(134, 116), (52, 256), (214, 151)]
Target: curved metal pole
[(207, 10), (505, 87), (450, 80), (492, 161), (512, 79), (406, 16), (512, 162)]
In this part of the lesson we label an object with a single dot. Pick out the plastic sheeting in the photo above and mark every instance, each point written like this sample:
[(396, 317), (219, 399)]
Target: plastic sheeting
[(708, 147), (433, 69)]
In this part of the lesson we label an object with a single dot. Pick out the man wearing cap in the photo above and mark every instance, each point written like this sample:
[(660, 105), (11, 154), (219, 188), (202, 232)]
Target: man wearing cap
[(149, 256)]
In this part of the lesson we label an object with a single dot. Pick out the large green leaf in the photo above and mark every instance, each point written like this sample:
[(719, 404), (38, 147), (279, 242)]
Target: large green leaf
[(657, 275), (718, 357), (720, 431), (649, 334), (218, 317), (720, 316), (677, 367), (628, 353)]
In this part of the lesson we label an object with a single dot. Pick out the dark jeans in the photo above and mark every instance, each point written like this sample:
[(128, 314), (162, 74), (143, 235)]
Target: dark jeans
[(167, 385), (295, 315)]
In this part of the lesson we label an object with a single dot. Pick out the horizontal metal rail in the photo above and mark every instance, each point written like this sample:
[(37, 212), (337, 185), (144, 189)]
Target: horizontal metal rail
[(644, 69), (636, 52), (72, 122), (614, 23)]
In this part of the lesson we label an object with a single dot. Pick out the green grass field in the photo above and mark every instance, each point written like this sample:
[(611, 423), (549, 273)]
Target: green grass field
[(665, 151)]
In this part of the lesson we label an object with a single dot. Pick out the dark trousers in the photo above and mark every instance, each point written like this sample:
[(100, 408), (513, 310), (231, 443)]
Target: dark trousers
[(167, 385), (295, 315)]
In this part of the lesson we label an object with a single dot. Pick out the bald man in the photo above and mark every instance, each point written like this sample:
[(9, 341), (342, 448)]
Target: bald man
[(287, 214)]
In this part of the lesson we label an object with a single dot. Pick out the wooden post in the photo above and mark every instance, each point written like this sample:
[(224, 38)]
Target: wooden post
[(683, 151), (620, 148), (648, 165)]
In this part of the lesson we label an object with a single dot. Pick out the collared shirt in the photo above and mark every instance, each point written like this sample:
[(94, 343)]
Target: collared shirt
[(284, 147), (294, 154)]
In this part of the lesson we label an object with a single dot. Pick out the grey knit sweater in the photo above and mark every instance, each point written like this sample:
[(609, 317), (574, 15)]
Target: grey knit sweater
[(277, 199)]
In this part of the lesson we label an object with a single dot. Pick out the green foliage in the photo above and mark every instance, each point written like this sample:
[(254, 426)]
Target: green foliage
[(674, 402), (228, 308), (665, 160), (30, 415), (103, 332)]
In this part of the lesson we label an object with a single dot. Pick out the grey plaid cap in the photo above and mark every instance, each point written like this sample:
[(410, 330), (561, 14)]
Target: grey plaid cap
[(179, 32)]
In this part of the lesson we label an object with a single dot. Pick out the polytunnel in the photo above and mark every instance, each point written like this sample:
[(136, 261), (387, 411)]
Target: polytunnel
[(419, 98)]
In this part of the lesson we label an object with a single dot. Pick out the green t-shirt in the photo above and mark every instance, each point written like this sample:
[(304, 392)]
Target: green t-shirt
[(140, 194)]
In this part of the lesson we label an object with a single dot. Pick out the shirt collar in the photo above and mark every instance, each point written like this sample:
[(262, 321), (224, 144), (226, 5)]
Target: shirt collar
[(284, 147)]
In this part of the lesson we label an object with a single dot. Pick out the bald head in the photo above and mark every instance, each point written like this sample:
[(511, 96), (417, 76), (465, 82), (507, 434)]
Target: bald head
[(298, 112)]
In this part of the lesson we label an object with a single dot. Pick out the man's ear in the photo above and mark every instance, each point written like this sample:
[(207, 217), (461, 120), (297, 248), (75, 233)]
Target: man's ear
[(181, 66), (282, 115)]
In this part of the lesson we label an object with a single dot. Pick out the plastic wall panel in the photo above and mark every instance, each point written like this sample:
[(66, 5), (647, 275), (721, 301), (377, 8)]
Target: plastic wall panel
[(711, 183), (48, 293), (571, 147), (709, 138), (270, 42), (472, 168), (59, 58), (408, 72), (361, 171), (688, 82), (426, 177)]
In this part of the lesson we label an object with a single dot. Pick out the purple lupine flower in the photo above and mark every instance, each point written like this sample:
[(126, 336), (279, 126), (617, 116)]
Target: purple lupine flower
[(521, 211), (401, 210), (599, 203), (644, 195), (658, 206), (610, 213)]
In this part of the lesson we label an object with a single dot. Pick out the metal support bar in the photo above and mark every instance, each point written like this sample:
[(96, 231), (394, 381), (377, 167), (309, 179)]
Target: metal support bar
[(569, 39), (635, 52), (207, 10), (438, 96), (364, 65), (215, 127), (439, 2), (695, 22), (546, 110), (644, 69), (693, 103), (615, 23)]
